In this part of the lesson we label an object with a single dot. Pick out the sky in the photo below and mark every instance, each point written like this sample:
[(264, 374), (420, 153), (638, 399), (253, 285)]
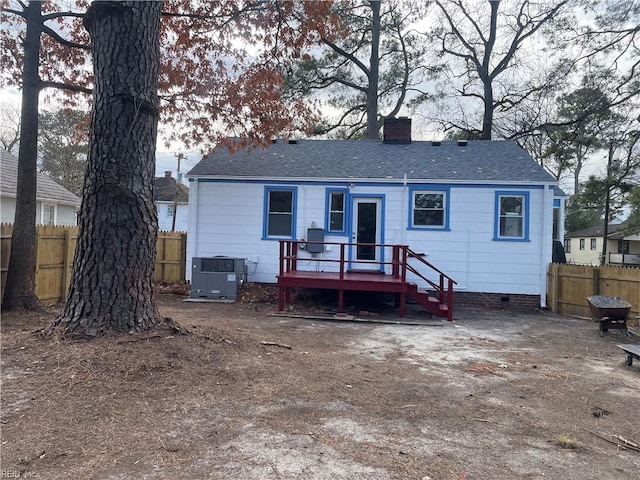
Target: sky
[(166, 160)]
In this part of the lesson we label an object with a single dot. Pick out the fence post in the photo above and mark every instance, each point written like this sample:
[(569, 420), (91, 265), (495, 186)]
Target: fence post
[(183, 256), (37, 259), (553, 288), (6, 233)]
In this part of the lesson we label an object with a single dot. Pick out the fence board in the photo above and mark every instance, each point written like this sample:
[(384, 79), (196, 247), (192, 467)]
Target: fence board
[(570, 285), (170, 257), (55, 248), (6, 230)]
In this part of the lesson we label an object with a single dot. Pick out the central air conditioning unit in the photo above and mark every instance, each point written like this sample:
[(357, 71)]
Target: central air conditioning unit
[(217, 277)]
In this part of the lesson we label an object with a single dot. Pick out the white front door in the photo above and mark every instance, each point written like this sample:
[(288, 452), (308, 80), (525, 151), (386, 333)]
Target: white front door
[(366, 228)]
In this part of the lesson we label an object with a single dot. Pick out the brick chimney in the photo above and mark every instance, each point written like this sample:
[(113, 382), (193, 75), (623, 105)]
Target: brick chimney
[(397, 130)]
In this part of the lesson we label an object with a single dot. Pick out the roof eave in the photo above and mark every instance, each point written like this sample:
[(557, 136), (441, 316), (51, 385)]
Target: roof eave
[(238, 178)]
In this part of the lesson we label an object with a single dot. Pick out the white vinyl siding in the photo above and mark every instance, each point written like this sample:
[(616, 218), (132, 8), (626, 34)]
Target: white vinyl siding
[(229, 220)]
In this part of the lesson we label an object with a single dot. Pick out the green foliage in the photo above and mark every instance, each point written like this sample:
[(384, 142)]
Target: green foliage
[(582, 117), (462, 135), (62, 146), (369, 68), (633, 200), (581, 214)]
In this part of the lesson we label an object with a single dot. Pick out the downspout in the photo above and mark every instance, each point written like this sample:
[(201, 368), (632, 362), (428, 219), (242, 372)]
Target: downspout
[(546, 241), (192, 225), (561, 211), (405, 211)]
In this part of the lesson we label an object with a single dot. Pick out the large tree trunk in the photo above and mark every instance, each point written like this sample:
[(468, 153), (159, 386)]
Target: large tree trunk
[(20, 284), (486, 77), (112, 282), (373, 126)]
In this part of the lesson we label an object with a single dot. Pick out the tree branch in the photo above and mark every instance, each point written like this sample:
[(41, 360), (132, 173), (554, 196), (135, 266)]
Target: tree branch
[(16, 12), (53, 16), (521, 35), (346, 54), (65, 86), (63, 41)]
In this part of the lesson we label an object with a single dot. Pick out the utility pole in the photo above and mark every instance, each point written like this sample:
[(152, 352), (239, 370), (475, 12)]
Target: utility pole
[(175, 193), (607, 205)]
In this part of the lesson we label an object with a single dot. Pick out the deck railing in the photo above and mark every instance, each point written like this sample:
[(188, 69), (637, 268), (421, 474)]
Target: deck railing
[(401, 254), (445, 295)]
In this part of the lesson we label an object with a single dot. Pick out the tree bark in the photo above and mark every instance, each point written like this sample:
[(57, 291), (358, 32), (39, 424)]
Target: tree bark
[(373, 126), (607, 207), (486, 77), (21, 275), (112, 279)]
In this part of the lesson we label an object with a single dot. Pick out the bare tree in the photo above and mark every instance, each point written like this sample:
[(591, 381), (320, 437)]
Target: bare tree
[(370, 71), (24, 61), (215, 83), (613, 44), (9, 127), (482, 45)]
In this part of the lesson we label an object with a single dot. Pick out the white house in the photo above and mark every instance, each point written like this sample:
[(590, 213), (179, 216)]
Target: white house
[(172, 200), (480, 211), (584, 247), (55, 205)]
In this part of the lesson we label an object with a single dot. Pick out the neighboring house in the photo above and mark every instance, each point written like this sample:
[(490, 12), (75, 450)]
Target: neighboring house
[(584, 247), (172, 200), (481, 211), (55, 205)]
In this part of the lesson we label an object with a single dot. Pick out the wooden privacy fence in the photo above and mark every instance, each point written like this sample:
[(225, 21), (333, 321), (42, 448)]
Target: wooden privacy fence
[(569, 286), (55, 247)]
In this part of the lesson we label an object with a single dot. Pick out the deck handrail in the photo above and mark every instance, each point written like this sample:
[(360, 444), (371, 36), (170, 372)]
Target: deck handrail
[(401, 254), (289, 257), (444, 295)]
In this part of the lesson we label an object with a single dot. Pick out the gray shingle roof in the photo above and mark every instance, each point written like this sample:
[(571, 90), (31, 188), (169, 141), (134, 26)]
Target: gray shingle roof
[(167, 188), (478, 161), (614, 231), (47, 189)]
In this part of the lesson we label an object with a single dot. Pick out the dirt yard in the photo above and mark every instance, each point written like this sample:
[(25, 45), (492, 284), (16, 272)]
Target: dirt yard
[(249, 395)]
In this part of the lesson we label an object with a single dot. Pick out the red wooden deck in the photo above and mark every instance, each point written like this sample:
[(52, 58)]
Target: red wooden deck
[(375, 281)]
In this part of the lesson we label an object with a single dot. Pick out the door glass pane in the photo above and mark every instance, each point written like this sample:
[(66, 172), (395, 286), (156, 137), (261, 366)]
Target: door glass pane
[(366, 232)]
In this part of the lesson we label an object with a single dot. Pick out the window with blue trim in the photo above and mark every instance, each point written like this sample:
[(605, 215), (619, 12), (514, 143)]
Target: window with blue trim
[(279, 212), (428, 209), (335, 211), (512, 212)]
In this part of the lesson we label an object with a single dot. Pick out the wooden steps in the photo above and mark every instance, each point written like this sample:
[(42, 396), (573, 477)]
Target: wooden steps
[(429, 303)]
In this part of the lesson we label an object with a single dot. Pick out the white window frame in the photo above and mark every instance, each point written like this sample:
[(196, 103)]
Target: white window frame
[(502, 216), (444, 193), (268, 214), (329, 212), (52, 209)]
